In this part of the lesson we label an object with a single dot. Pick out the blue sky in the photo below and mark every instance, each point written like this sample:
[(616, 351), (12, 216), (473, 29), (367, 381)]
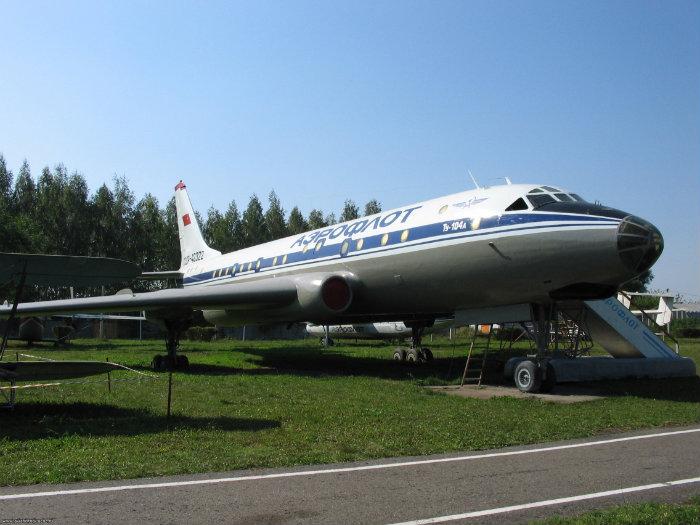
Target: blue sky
[(324, 101)]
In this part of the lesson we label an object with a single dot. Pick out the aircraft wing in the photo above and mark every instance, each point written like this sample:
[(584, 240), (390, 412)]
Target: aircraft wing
[(268, 293)]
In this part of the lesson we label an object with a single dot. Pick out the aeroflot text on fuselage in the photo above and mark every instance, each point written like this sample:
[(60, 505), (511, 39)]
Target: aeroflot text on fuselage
[(359, 226)]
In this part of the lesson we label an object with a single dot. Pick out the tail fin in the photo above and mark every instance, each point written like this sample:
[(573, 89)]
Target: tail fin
[(192, 245)]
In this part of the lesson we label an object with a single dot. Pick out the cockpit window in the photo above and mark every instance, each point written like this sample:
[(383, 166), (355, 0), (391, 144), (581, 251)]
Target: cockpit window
[(549, 188), (540, 200), (520, 204), (563, 197), (536, 190), (578, 198)]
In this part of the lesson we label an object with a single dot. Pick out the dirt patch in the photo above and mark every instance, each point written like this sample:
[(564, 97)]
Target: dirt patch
[(561, 394)]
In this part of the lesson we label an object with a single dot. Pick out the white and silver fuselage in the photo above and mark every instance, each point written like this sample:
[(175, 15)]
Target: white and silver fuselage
[(474, 249)]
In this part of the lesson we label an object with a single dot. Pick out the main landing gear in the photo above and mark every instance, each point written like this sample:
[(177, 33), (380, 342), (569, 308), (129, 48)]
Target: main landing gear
[(172, 360), (416, 354)]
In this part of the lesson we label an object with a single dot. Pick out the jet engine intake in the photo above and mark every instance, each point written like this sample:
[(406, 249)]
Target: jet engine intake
[(323, 294)]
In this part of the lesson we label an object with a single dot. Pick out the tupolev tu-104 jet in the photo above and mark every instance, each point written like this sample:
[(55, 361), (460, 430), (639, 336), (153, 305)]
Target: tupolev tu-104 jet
[(486, 255)]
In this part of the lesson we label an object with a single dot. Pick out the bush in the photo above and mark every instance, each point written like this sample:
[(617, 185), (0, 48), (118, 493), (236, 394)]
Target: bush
[(201, 333), (688, 332), (688, 327)]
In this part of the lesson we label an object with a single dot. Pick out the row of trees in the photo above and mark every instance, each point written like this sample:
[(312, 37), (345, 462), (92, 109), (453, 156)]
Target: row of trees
[(57, 214)]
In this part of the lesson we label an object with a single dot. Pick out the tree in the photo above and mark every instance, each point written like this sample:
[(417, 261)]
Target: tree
[(372, 207), (316, 220), (28, 236), (640, 283), (25, 191), (296, 223), (150, 239), (75, 210), (49, 210), (10, 230), (274, 218), (233, 223), (122, 217), (103, 227), (218, 233), (350, 211), (172, 256), (254, 227), (5, 184)]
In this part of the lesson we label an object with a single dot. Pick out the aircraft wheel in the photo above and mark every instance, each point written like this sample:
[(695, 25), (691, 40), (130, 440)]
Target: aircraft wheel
[(399, 355), (413, 357), (527, 377), (427, 355)]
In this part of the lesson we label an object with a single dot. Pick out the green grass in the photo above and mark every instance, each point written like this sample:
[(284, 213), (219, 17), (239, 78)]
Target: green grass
[(266, 404), (638, 514)]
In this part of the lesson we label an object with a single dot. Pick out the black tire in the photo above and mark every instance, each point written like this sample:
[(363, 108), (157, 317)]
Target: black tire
[(527, 377), (413, 356), (427, 355), (399, 355)]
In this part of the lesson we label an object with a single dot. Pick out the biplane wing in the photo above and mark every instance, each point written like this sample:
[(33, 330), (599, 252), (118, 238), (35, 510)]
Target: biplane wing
[(65, 270)]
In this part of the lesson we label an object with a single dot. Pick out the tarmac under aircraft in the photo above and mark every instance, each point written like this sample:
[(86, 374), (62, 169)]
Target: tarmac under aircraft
[(491, 254)]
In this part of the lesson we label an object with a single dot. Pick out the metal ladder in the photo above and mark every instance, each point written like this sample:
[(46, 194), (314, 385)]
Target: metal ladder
[(470, 360)]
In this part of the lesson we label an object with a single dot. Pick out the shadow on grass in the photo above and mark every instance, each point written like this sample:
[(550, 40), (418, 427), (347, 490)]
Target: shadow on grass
[(442, 370), (315, 362), (684, 389), (45, 420)]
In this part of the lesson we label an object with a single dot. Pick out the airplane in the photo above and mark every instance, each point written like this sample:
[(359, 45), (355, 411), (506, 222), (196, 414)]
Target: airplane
[(493, 254), (383, 330), (52, 270)]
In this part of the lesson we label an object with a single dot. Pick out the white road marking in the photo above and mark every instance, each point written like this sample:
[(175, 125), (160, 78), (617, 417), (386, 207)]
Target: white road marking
[(550, 502), (301, 473)]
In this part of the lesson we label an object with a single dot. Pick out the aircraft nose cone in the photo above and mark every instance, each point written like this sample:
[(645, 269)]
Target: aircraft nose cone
[(639, 243)]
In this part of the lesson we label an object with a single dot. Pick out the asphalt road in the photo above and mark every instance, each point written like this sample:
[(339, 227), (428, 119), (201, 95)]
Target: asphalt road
[(509, 485)]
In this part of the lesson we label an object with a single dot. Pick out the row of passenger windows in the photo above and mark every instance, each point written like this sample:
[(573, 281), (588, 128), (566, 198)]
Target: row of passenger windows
[(344, 249)]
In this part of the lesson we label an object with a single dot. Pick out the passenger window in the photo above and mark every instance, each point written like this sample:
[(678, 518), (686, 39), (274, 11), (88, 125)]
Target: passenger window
[(520, 204)]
